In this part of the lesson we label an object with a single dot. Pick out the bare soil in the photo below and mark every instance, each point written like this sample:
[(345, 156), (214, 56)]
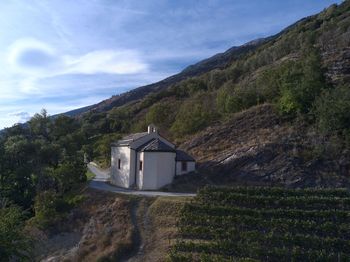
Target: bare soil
[(112, 227), (100, 229)]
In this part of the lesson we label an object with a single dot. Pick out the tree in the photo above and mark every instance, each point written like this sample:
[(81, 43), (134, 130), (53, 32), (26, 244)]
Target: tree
[(301, 84), (63, 125), (69, 174), (39, 124), (15, 245), (332, 111), (160, 114), (192, 116)]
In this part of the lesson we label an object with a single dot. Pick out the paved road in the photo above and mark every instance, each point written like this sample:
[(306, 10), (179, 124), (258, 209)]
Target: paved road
[(100, 175), (100, 182)]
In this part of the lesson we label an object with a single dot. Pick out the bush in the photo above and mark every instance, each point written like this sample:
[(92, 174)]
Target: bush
[(160, 114), (14, 244), (102, 147), (49, 208), (300, 84), (192, 116), (332, 111), (238, 99)]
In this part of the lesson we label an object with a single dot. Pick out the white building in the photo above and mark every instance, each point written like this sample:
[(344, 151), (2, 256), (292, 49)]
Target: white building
[(147, 161)]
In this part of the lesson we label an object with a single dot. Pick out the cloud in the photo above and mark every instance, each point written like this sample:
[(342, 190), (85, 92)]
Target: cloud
[(107, 61), (33, 57), (28, 55), (35, 61), (21, 117)]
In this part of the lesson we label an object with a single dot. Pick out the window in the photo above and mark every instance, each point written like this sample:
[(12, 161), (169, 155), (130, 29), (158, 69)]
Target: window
[(119, 163), (184, 166), (140, 167)]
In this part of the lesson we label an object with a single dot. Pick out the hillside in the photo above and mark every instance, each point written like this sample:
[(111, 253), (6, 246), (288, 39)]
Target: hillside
[(273, 111), (217, 61)]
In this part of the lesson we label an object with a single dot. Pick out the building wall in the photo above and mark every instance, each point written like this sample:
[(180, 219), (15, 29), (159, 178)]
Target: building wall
[(121, 177), (191, 166), (158, 170), (139, 173)]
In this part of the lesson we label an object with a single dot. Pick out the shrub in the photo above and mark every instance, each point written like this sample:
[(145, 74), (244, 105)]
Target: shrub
[(160, 114), (45, 208), (238, 99), (332, 111), (14, 244), (192, 116)]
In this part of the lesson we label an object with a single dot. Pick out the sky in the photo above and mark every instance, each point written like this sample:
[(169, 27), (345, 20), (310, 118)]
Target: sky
[(61, 54)]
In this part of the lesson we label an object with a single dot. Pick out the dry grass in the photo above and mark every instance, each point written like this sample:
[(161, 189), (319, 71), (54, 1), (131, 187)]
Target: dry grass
[(110, 227), (157, 221), (100, 229)]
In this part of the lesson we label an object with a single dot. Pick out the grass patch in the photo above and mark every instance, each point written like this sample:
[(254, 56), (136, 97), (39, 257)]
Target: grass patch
[(89, 175)]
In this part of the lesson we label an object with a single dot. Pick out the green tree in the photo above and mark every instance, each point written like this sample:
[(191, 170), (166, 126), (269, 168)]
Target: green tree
[(332, 111), (15, 245), (40, 124), (192, 116), (160, 114), (70, 173), (301, 84)]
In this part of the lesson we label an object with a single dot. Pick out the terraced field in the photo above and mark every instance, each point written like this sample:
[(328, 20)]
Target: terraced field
[(265, 224)]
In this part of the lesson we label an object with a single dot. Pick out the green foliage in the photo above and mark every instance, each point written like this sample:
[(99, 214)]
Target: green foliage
[(49, 208), (332, 111), (102, 148), (89, 175), (39, 124), (40, 164), (70, 174), (160, 114), (64, 125), (192, 116), (188, 87), (218, 77), (15, 245), (232, 100), (119, 119)]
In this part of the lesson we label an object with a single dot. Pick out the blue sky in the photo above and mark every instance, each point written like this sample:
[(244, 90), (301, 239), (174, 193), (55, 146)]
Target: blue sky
[(62, 54)]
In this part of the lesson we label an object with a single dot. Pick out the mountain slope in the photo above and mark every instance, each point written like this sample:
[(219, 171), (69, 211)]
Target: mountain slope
[(273, 111), (217, 61)]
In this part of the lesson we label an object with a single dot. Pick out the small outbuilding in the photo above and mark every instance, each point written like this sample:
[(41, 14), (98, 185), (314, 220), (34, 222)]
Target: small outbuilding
[(147, 161)]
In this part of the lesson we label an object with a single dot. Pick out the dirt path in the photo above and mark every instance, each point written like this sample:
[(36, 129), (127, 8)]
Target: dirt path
[(142, 225)]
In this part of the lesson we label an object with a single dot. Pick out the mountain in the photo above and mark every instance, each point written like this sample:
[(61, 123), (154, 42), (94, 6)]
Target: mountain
[(274, 110), (217, 61)]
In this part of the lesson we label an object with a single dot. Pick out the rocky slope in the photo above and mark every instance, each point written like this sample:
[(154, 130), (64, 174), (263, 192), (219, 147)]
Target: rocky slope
[(258, 146)]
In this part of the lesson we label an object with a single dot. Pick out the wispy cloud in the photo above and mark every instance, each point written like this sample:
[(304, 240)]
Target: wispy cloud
[(106, 61), (35, 61), (31, 56), (20, 116)]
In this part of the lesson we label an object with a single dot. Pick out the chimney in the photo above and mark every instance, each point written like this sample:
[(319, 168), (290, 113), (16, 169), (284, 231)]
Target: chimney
[(152, 129)]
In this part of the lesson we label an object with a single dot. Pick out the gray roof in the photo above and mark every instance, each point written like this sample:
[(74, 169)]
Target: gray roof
[(134, 136), (183, 156), (155, 145), (127, 140)]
